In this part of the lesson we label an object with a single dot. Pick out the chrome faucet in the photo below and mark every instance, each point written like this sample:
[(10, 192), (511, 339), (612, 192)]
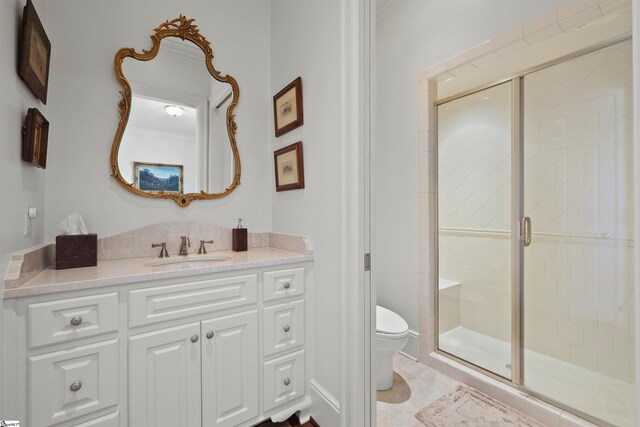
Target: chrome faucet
[(184, 244), (203, 249), (163, 249)]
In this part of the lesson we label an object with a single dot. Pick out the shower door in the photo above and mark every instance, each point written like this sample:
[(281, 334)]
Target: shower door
[(535, 232), (474, 211), (578, 269)]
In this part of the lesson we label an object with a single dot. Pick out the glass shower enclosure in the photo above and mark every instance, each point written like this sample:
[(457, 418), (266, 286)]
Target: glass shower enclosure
[(535, 232)]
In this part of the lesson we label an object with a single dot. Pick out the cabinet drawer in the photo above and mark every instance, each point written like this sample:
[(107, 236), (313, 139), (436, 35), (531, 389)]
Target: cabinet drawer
[(283, 380), (71, 383), (109, 420), (283, 327), (152, 305), (283, 283), (70, 319)]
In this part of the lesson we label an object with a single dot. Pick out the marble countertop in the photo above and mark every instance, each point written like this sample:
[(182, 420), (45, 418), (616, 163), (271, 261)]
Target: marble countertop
[(132, 270)]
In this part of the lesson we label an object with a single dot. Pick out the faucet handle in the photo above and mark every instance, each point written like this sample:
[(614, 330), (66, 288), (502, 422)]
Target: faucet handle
[(163, 250), (203, 249)]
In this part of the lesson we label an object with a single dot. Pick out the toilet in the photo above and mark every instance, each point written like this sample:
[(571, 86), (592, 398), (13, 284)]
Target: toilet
[(392, 333)]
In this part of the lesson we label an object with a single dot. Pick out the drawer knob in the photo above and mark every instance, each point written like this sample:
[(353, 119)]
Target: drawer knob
[(76, 320), (287, 285), (194, 338), (287, 381), (287, 328), (210, 334), (75, 386)]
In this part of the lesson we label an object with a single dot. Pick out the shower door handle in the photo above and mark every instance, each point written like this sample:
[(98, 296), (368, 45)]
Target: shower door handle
[(526, 231)]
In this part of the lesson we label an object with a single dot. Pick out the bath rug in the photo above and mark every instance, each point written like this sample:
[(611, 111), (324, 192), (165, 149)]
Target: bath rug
[(467, 406)]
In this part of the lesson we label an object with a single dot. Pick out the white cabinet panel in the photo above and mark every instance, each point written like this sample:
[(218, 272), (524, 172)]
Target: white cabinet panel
[(71, 383), (283, 380), (283, 327), (109, 420), (283, 283), (230, 363), (152, 305), (70, 319), (164, 377)]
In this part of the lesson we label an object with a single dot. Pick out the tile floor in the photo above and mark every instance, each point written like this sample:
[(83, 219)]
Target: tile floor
[(414, 386), (604, 397)]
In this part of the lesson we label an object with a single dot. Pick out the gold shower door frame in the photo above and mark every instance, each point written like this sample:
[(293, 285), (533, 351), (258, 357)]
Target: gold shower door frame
[(520, 230)]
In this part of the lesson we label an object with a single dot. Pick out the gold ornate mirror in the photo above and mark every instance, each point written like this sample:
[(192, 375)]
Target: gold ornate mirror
[(176, 138)]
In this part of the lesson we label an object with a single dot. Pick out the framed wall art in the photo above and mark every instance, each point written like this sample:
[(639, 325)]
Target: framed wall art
[(287, 108), (158, 177), (289, 167), (35, 134), (35, 53)]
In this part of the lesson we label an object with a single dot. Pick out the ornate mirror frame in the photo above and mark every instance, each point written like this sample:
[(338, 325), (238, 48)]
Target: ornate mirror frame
[(185, 29)]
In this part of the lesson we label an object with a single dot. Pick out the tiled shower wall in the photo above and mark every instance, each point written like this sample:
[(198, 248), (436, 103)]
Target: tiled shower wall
[(578, 192)]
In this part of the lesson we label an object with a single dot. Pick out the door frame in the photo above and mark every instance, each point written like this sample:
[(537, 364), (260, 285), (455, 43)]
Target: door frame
[(357, 405)]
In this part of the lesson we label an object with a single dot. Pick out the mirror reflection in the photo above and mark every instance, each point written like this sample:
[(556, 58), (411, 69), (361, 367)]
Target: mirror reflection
[(176, 138)]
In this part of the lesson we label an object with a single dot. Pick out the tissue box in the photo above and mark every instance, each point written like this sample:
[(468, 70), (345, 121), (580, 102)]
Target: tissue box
[(79, 250)]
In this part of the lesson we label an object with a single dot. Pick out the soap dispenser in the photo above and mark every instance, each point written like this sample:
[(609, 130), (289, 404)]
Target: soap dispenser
[(239, 237)]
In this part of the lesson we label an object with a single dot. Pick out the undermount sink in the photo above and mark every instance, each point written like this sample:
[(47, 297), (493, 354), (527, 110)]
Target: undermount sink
[(188, 261)]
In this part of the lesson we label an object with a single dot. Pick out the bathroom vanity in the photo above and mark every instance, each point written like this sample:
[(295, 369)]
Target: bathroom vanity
[(184, 341)]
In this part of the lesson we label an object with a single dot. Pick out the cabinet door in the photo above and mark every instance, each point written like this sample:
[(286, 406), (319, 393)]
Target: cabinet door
[(164, 377), (71, 383), (230, 369)]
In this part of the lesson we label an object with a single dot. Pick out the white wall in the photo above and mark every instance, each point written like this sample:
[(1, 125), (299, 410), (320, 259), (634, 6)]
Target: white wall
[(412, 35), (22, 183), (305, 42), (84, 115)]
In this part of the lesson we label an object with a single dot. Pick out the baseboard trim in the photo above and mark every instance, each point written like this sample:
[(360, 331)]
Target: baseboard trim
[(410, 350), (325, 407)]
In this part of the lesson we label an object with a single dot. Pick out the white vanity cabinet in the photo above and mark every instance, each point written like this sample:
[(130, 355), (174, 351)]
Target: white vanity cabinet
[(196, 374), (217, 350), (78, 377)]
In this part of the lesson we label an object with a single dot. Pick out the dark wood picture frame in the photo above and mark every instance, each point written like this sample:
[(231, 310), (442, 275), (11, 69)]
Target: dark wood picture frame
[(35, 135), (287, 108), (34, 54), (289, 167)]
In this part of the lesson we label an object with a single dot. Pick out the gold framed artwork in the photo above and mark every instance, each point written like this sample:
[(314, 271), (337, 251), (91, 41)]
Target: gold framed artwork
[(35, 134), (287, 108), (35, 53), (289, 167)]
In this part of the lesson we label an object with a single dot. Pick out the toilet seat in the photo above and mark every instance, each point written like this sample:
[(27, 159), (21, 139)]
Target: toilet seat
[(389, 325)]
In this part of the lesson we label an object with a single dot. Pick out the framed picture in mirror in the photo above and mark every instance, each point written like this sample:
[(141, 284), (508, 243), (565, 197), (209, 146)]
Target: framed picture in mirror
[(287, 108), (35, 134), (158, 177), (289, 167), (35, 52)]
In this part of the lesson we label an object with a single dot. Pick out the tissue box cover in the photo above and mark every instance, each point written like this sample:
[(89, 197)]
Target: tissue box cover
[(80, 250)]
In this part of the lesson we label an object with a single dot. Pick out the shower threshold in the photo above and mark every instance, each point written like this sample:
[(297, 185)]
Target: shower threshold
[(588, 391)]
